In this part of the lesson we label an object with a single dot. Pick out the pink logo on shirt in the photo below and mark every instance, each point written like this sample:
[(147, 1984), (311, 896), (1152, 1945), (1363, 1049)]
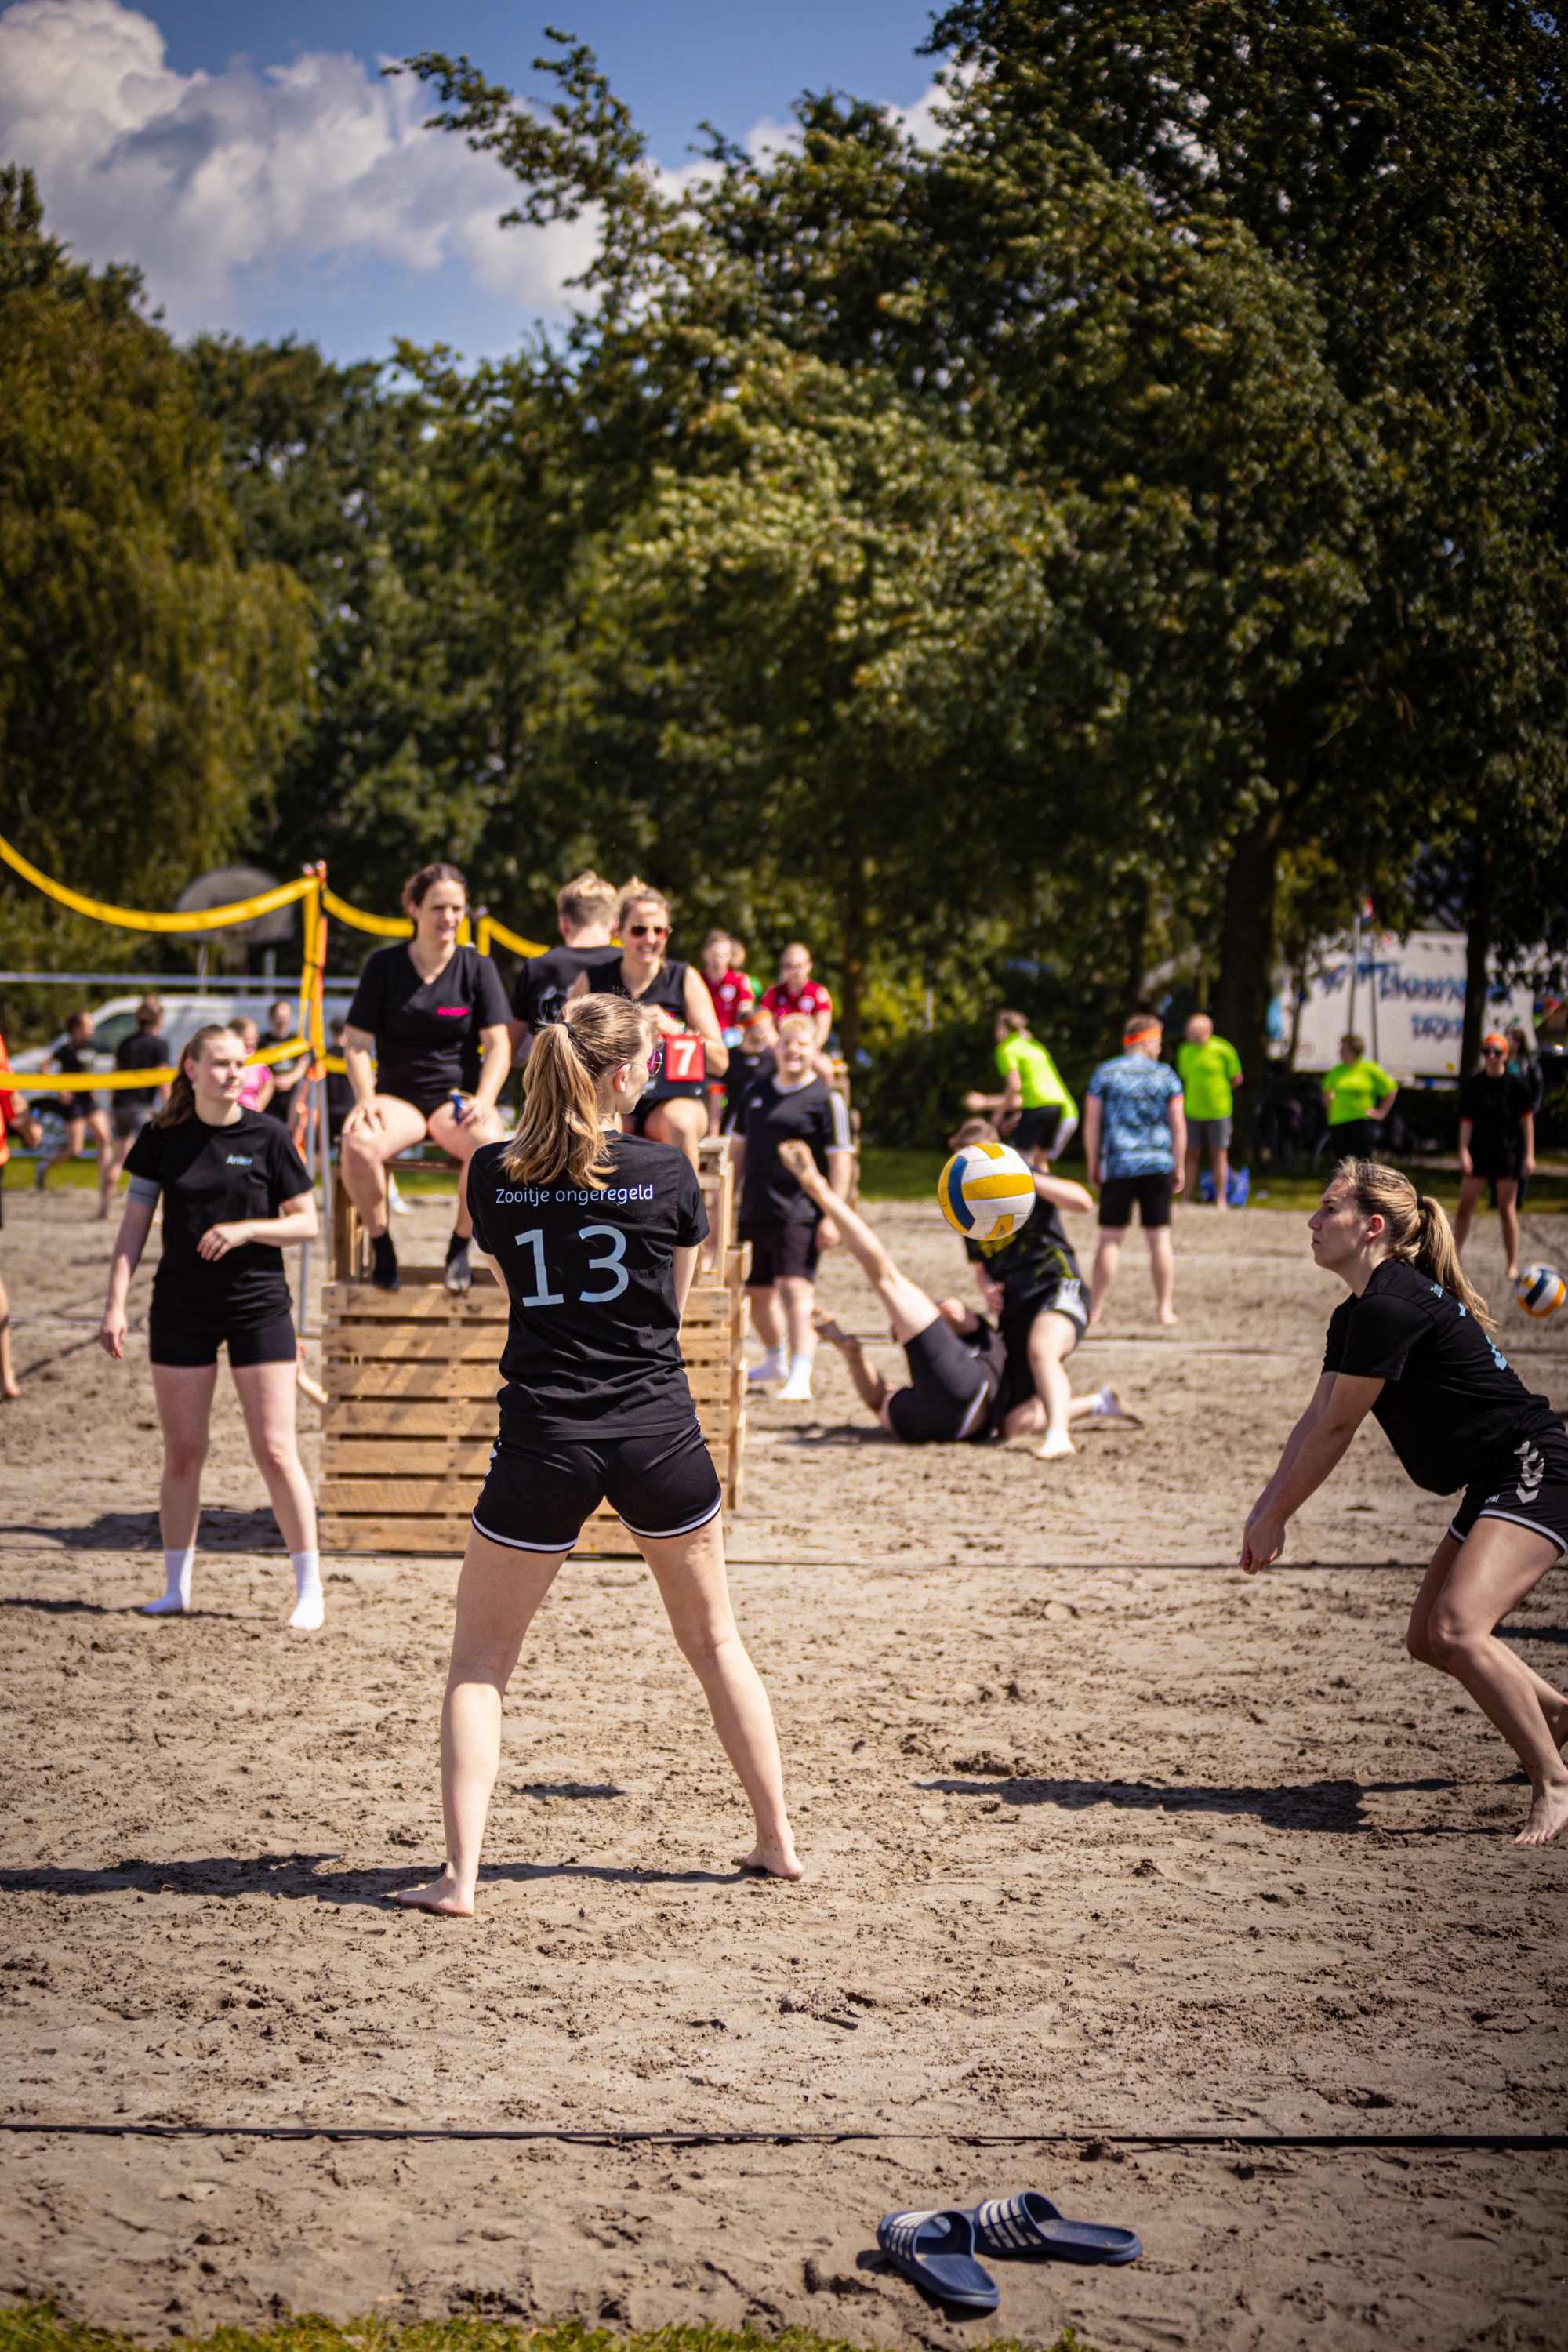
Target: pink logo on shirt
[(454, 1011)]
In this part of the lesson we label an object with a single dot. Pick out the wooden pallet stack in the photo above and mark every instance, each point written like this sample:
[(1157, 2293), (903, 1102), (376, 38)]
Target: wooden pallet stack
[(411, 1379)]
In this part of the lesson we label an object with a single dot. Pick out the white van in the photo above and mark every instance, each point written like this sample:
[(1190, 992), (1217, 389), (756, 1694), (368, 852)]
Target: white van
[(183, 1016)]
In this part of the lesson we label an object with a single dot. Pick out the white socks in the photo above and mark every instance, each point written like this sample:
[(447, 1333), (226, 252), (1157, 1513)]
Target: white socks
[(1057, 1443), (796, 1390), (309, 1601), (771, 1367), (177, 1566)]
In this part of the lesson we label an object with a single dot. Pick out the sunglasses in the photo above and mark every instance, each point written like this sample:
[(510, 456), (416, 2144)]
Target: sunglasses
[(1494, 1053), (649, 930), (655, 1059)]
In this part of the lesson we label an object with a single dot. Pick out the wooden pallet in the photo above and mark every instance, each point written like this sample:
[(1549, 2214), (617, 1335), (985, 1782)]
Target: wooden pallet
[(412, 1377)]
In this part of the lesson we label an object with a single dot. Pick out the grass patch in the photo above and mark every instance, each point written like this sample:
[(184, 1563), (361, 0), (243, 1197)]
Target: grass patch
[(37, 2328), (893, 1175), (1299, 1188)]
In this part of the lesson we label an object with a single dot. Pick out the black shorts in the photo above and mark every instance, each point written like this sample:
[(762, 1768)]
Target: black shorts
[(425, 1099), (949, 1398), (1153, 1194), (1505, 1159), (1036, 1129), (1529, 1487), (644, 1110), (538, 1491), (182, 1336), (1065, 1295), (780, 1252)]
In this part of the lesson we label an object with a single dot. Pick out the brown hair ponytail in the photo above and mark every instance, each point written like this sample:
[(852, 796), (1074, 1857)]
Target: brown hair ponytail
[(182, 1103), (1419, 1234), (559, 1134)]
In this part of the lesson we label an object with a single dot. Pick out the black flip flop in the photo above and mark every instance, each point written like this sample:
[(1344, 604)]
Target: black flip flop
[(1029, 2224), (937, 2250)]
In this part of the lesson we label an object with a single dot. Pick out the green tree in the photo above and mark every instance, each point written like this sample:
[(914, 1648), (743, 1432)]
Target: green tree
[(149, 676)]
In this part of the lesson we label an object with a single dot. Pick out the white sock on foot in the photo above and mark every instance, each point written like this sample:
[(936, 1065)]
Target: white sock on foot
[(796, 1390), (771, 1367), (309, 1601), (1058, 1442), (177, 1568)]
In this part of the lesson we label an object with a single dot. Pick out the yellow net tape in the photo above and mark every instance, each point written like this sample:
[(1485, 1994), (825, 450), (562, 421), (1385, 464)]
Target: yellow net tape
[(211, 919), (385, 926), (489, 930), (286, 1049)]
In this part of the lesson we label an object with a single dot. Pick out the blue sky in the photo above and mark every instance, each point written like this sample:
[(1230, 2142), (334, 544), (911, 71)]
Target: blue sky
[(268, 182)]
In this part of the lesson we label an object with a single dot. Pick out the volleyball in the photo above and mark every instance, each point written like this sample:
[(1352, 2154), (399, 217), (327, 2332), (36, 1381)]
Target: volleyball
[(1540, 1289), (985, 1191)]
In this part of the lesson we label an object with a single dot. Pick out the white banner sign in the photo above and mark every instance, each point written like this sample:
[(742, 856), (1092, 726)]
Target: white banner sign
[(1405, 997)]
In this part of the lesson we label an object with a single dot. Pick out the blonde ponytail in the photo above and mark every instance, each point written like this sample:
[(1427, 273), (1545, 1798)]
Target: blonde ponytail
[(182, 1103), (559, 1135), (1419, 1234)]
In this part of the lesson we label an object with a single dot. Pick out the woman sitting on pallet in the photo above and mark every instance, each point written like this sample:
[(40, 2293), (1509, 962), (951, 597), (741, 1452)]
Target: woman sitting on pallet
[(674, 1108), (435, 1017), (595, 1233)]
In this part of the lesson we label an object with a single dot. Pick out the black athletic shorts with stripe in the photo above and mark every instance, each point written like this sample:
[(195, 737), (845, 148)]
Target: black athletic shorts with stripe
[(950, 1392), (1529, 1487), (539, 1490)]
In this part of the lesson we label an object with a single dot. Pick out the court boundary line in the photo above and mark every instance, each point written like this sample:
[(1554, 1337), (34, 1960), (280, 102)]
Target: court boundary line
[(608, 2135)]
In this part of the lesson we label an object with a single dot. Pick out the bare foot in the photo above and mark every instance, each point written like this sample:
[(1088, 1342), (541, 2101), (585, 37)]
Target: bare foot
[(443, 1896), (9, 1389), (826, 1328), (774, 1858), (1170, 1315), (1548, 1815)]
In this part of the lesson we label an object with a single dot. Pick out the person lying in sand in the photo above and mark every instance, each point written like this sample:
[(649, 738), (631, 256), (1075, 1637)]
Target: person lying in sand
[(963, 1387)]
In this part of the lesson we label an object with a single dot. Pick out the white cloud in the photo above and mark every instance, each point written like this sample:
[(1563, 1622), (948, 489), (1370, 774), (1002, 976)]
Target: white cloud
[(218, 183), (201, 178)]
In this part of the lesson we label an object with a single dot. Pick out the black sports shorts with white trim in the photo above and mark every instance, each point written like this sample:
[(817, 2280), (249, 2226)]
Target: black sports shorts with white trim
[(186, 1338), (1037, 1127), (950, 1390), (1529, 1487), (1019, 1309), (538, 1492)]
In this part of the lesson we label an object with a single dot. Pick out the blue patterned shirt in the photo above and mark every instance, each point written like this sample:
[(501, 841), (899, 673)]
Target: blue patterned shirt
[(1135, 1140)]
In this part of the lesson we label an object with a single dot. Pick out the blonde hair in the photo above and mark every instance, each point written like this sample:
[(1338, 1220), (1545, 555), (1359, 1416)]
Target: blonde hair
[(973, 1130), (182, 1103), (586, 899), (559, 1134), (635, 894), (1416, 1226), (798, 1024)]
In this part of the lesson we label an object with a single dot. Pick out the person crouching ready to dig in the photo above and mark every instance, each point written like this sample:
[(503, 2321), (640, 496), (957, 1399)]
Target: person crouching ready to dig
[(233, 1189), (435, 1017), (595, 1234), (786, 1229)]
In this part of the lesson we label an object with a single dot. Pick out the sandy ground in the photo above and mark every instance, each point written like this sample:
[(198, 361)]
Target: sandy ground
[(1101, 1838)]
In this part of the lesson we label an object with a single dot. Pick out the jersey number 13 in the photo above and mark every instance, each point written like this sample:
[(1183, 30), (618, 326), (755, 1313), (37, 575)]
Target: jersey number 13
[(610, 1264)]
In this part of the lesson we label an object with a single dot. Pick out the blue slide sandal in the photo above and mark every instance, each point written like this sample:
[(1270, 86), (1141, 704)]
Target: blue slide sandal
[(937, 2250), (1030, 2224)]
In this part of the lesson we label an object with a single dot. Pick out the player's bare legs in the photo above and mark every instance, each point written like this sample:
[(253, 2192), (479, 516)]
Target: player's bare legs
[(1507, 1218), (1468, 1588), (689, 1573), (870, 1386), (498, 1592), (1052, 1338), (1107, 1258), (909, 1310), (1163, 1271)]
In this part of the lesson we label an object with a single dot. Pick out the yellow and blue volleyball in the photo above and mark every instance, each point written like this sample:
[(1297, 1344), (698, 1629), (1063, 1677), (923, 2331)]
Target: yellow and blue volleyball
[(1540, 1289), (986, 1191)]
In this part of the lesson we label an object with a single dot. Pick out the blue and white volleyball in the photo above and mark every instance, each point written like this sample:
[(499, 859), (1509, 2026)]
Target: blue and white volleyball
[(986, 1191), (1539, 1289)]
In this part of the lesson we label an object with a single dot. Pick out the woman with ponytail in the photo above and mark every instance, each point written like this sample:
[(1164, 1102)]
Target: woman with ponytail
[(1411, 1345), (233, 1189), (595, 1234)]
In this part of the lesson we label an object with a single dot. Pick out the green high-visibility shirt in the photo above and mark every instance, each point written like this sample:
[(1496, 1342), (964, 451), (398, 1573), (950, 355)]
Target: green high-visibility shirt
[(1352, 1087), (1208, 1073), (1037, 1074)]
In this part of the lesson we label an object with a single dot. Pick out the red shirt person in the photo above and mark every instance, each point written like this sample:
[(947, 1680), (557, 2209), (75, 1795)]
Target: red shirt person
[(734, 1000), (797, 992)]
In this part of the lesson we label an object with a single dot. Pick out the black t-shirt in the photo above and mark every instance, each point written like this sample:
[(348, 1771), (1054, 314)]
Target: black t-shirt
[(141, 1052), (72, 1062), (768, 1115), (545, 981), (1494, 1107), (667, 991), (1037, 1257), (592, 1344), (426, 1031), (213, 1176), (744, 1070), (1452, 1404)]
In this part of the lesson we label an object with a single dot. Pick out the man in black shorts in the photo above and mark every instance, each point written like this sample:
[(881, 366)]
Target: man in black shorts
[(1496, 1140), (965, 1388)]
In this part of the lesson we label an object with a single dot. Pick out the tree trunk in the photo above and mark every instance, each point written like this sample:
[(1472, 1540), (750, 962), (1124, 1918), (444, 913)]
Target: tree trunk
[(1135, 934), (1246, 981), (1478, 951), (853, 968)]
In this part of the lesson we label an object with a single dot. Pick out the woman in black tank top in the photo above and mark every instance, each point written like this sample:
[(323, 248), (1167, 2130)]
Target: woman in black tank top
[(673, 1110)]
